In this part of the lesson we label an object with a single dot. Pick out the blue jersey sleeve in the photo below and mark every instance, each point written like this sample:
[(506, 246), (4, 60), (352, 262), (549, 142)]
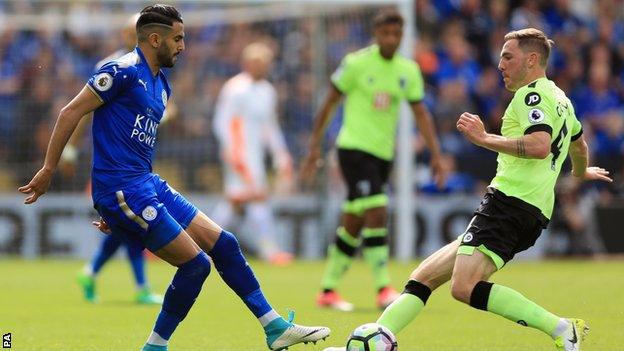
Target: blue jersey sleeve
[(111, 80)]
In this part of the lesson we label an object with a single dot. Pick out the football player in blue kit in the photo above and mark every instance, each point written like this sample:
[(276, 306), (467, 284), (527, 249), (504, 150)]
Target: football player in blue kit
[(128, 97)]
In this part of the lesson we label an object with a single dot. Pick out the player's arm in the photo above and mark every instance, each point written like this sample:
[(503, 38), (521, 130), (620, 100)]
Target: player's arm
[(85, 102), (427, 129), (533, 145), (322, 118), (579, 154)]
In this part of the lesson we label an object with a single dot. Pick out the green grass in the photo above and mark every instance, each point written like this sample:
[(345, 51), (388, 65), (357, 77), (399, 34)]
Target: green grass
[(41, 305)]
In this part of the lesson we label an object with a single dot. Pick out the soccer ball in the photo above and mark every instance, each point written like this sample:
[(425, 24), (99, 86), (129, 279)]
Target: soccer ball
[(372, 337)]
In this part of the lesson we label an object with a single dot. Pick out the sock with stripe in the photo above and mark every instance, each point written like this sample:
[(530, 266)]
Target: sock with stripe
[(376, 254), (514, 306), (404, 309), (339, 257)]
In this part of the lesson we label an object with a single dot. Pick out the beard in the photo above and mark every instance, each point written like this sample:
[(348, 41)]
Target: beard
[(165, 57)]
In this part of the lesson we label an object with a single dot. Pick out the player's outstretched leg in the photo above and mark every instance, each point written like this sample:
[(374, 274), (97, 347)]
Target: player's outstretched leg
[(235, 271), (472, 269), (339, 258), (86, 277), (144, 294), (429, 275), (179, 298)]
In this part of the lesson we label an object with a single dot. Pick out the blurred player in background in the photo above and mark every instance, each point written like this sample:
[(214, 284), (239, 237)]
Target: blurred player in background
[(374, 80), (110, 243), (539, 129), (129, 96), (246, 126)]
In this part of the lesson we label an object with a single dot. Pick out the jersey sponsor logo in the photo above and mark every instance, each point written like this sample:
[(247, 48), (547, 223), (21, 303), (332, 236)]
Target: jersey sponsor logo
[(536, 116), (382, 100), (532, 99), (163, 96), (144, 130), (103, 81), (467, 238), (149, 213)]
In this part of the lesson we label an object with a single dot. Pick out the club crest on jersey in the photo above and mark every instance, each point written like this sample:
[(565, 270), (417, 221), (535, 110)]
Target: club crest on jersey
[(163, 95), (532, 99), (149, 213), (103, 81), (536, 116)]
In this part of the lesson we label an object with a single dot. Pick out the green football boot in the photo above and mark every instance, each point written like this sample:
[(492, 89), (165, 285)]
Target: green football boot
[(145, 297), (88, 287)]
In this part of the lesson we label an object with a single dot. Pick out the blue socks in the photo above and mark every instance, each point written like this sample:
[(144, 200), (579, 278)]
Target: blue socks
[(234, 270), (108, 247), (181, 294), (137, 261)]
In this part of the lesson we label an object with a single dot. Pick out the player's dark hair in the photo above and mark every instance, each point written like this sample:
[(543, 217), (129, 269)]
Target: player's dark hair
[(387, 16), (156, 15), (531, 39)]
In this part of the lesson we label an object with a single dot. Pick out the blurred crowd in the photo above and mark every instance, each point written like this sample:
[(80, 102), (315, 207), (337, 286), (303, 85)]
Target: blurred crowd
[(458, 50), (42, 68), (457, 47)]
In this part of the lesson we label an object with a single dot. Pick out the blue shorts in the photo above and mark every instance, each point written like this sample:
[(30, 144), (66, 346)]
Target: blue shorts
[(151, 212)]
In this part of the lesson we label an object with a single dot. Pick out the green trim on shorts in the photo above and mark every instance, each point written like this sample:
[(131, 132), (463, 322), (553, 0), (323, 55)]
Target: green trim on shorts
[(469, 251), (359, 205), (374, 232)]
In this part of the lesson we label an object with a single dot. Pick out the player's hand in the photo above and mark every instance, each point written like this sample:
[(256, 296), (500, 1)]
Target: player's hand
[(37, 186), (596, 173), (310, 164), (472, 127), (439, 171), (102, 226)]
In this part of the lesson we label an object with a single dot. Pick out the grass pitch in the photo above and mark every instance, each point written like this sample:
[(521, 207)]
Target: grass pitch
[(41, 305)]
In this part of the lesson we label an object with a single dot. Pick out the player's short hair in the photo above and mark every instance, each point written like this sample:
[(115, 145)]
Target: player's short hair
[(531, 39), (257, 50), (387, 16), (156, 15)]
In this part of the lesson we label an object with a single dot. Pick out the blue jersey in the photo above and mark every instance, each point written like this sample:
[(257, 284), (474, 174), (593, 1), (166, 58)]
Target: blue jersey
[(124, 128)]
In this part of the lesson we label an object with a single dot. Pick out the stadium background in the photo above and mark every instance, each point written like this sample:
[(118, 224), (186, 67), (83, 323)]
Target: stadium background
[(49, 48)]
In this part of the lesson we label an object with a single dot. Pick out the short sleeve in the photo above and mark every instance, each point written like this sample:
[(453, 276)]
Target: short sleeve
[(344, 77), (535, 112), (110, 80), (415, 84)]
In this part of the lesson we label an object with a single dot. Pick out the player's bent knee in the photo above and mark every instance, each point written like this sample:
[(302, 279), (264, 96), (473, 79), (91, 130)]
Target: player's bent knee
[(461, 289), (199, 267)]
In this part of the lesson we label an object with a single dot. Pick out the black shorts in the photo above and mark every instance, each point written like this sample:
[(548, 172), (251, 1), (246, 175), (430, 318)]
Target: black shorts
[(504, 225), (365, 174)]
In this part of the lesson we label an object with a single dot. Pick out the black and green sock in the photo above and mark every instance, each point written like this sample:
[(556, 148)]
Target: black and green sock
[(512, 305), (376, 253), (339, 257), (404, 309)]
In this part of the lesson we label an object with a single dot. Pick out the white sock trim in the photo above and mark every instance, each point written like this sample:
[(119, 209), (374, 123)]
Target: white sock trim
[(268, 318), (155, 339)]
